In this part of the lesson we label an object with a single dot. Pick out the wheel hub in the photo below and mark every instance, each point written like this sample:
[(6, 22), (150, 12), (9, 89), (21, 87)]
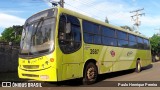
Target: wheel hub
[(91, 73), (139, 67)]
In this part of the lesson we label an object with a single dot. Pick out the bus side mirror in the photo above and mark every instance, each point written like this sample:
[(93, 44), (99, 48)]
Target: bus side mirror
[(68, 27), (62, 36)]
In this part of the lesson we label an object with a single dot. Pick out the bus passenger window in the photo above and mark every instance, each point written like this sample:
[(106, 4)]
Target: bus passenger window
[(140, 43)]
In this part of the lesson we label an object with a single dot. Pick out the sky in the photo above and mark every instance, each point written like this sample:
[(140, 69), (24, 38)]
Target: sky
[(15, 12)]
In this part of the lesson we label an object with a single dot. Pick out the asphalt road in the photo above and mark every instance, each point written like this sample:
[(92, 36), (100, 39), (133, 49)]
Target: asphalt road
[(149, 73), (109, 81)]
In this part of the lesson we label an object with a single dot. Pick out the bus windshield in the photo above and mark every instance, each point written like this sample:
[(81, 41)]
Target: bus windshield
[(38, 36)]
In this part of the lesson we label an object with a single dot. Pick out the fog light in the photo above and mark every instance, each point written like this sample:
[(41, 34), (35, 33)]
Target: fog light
[(44, 77)]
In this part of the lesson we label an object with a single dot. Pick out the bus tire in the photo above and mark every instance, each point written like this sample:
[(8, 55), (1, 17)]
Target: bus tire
[(90, 74), (138, 67)]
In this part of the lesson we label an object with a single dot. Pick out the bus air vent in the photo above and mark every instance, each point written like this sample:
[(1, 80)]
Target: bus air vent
[(31, 66)]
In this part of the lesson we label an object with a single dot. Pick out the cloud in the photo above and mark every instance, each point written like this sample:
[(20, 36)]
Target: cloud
[(117, 11), (11, 11), (134, 0), (151, 21), (7, 20), (48, 2)]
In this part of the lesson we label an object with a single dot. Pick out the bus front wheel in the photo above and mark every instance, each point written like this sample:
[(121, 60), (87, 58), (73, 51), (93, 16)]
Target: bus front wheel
[(90, 74), (138, 66)]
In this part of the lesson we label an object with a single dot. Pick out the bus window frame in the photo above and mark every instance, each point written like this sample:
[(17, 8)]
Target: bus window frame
[(71, 41)]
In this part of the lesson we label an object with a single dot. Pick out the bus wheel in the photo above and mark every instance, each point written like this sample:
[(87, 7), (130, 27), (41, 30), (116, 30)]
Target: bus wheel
[(90, 74), (138, 66)]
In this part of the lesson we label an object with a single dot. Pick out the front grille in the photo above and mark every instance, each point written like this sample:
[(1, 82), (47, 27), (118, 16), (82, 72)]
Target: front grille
[(31, 66), (30, 75)]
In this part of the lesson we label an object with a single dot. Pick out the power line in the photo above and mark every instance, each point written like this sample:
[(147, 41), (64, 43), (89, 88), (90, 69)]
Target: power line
[(62, 3), (99, 18), (82, 10), (23, 6), (92, 4), (101, 11)]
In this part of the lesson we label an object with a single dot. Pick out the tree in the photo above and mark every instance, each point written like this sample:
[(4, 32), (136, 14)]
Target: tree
[(12, 34), (106, 20), (1, 39), (155, 44), (127, 28)]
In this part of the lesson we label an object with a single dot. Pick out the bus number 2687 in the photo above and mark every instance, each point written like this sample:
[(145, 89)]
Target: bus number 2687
[(94, 51)]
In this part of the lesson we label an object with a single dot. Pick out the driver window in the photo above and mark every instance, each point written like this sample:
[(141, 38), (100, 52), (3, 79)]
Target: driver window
[(69, 40)]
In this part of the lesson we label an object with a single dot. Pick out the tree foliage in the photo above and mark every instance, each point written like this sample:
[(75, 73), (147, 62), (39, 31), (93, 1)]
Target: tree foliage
[(127, 28), (155, 43), (12, 34)]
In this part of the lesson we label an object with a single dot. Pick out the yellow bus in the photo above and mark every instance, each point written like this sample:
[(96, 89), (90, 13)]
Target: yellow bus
[(59, 44)]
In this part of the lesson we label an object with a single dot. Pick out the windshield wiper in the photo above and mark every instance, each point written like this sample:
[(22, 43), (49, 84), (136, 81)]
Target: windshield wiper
[(36, 30), (41, 20)]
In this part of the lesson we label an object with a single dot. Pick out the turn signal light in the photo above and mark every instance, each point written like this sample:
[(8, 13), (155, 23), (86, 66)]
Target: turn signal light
[(51, 60)]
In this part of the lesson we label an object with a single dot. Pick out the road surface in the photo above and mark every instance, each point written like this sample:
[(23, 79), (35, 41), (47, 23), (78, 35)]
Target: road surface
[(150, 73)]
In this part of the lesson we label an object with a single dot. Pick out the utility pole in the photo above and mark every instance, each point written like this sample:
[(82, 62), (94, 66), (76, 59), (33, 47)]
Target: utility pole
[(56, 3), (62, 3), (135, 17)]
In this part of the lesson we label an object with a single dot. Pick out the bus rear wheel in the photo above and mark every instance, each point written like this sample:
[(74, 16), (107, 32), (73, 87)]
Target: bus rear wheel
[(138, 66), (90, 74)]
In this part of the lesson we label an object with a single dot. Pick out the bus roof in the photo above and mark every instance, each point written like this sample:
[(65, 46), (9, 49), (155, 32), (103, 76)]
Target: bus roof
[(70, 12)]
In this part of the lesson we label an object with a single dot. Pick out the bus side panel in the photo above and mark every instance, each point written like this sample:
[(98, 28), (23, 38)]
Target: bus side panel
[(70, 66), (111, 56), (106, 61), (145, 57), (59, 64), (102, 56), (126, 59), (142, 54), (111, 59), (94, 52), (148, 57)]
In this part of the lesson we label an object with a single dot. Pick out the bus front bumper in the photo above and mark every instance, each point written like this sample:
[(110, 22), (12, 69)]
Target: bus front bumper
[(49, 74)]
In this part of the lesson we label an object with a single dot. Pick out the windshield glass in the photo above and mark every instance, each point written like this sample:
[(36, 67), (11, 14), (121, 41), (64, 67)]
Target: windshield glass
[(38, 36)]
